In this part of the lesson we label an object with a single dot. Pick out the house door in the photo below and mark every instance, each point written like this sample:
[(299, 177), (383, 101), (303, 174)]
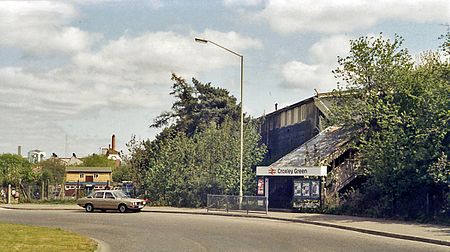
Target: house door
[(89, 178)]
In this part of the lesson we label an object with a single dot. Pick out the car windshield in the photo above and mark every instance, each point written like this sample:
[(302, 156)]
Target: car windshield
[(120, 194)]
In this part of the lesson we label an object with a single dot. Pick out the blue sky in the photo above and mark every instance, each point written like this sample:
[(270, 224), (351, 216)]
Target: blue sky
[(84, 70)]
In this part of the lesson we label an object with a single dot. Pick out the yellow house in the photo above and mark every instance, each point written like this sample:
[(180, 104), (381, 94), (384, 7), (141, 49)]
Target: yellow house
[(86, 179)]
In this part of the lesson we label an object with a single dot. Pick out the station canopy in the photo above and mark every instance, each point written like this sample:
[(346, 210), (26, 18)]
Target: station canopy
[(319, 150)]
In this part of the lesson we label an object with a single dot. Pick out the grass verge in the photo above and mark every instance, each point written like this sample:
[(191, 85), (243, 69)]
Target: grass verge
[(55, 201), (31, 238)]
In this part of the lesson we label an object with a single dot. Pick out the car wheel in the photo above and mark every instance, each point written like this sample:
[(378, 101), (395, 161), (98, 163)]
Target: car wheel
[(89, 208), (122, 208)]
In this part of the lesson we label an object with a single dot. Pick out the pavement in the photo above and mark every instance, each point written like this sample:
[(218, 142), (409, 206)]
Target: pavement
[(428, 233)]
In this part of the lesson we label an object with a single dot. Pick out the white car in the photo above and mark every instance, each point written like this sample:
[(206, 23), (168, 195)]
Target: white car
[(110, 200)]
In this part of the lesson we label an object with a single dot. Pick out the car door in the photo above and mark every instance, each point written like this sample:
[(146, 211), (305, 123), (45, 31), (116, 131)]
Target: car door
[(110, 201), (98, 200)]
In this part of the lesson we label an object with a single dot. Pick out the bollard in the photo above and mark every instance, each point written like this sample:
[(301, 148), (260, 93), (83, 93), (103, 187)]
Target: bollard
[(8, 197), (42, 190)]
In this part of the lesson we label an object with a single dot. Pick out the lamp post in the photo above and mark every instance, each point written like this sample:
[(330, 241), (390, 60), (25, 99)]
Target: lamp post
[(200, 40)]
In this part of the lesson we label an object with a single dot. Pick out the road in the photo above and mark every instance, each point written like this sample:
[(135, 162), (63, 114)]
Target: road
[(183, 232)]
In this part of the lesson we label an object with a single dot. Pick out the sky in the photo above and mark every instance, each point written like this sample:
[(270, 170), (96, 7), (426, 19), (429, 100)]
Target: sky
[(72, 73)]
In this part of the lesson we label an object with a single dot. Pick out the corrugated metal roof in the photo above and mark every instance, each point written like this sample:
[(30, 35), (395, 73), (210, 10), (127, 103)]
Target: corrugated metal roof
[(319, 150), (88, 169)]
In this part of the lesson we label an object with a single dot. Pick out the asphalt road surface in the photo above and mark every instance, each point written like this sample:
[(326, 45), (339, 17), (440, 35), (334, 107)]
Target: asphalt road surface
[(183, 232)]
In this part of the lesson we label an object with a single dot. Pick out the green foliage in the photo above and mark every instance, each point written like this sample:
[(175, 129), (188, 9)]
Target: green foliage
[(68, 201), (52, 170), (198, 152), (445, 47), (95, 160), (122, 173), (142, 158), (440, 170), (403, 112), (186, 169), (196, 106), (13, 169)]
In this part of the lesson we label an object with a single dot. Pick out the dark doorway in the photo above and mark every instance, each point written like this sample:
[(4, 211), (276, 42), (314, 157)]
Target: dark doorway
[(88, 189), (280, 192), (89, 178)]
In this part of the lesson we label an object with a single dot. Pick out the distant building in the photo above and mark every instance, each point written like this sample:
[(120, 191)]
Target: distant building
[(73, 160), (68, 161), (111, 151), (86, 179), (103, 151), (36, 156)]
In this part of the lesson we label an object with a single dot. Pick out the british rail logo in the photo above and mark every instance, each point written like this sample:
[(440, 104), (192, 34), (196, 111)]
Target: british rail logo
[(272, 171)]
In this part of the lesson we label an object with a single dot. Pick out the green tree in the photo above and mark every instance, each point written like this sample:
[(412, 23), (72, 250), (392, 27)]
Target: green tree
[(122, 173), (196, 106), (197, 151), (401, 110), (445, 47), (95, 160), (142, 154), (52, 170), (14, 169), (186, 169)]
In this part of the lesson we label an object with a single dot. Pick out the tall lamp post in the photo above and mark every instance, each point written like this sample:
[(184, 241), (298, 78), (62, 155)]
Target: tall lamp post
[(200, 40)]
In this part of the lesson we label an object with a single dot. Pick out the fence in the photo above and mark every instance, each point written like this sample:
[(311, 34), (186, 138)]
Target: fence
[(234, 203)]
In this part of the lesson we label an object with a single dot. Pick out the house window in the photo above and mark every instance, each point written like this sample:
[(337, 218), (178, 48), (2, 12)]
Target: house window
[(81, 175), (95, 175)]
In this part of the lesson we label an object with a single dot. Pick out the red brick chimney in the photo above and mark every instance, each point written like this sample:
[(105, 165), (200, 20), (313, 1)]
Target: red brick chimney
[(113, 142)]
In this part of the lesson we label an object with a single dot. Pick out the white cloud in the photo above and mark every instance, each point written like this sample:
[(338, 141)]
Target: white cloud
[(307, 77), (327, 49), (230, 3), (303, 76), (130, 72), (156, 4), (301, 73), (37, 102), (151, 57), (288, 16), (40, 28), (231, 40)]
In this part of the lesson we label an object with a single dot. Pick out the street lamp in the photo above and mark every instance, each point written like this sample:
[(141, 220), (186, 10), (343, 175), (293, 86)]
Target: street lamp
[(200, 40)]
